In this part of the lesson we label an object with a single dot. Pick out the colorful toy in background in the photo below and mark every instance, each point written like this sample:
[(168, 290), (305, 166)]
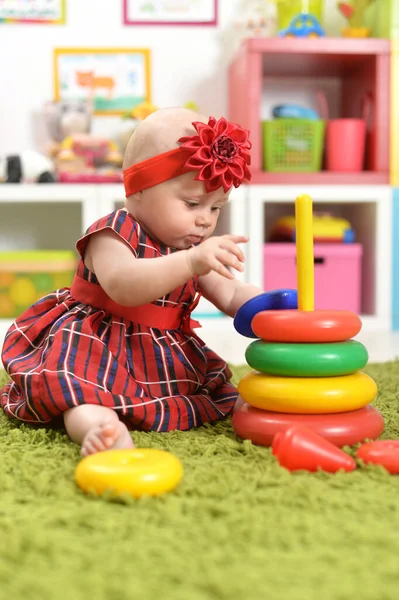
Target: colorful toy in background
[(65, 118), (354, 12), (294, 111), (300, 18), (293, 141), (28, 275), (192, 105), (78, 155), (307, 366), (89, 159), (141, 111), (326, 229), (382, 18), (303, 25), (27, 167), (255, 18)]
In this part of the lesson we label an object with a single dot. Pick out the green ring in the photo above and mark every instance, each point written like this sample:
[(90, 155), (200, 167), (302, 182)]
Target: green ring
[(307, 360)]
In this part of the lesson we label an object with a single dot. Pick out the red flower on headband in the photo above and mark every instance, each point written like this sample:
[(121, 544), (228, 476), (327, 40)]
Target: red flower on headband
[(220, 153)]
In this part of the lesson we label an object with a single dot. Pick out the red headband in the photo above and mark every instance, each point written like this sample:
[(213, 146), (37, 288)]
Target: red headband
[(220, 154)]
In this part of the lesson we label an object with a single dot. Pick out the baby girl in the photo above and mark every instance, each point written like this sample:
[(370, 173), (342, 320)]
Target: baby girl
[(117, 350)]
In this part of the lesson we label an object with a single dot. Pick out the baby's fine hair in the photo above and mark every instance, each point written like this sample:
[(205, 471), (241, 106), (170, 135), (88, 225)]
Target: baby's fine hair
[(159, 133)]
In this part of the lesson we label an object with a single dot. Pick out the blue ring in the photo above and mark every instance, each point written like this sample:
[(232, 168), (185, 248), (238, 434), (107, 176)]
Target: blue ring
[(284, 299)]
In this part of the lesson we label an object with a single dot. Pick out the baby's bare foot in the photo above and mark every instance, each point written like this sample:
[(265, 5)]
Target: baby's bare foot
[(107, 436)]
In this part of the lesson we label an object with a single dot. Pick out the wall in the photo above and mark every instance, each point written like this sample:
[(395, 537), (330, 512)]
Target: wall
[(188, 63)]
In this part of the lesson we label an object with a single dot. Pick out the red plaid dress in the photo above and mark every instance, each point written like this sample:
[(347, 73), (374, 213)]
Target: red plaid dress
[(63, 352)]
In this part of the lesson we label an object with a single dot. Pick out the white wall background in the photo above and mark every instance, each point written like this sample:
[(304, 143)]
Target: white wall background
[(188, 63)]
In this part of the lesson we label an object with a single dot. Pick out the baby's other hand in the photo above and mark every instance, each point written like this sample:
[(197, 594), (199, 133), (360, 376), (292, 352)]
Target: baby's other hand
[(216, 254)]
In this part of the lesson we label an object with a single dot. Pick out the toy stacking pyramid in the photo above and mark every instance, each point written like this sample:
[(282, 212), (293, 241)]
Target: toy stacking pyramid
[(308, 369)]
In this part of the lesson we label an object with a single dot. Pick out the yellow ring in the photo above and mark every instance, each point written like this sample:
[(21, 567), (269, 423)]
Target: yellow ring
[(136, 472), (310, 395)]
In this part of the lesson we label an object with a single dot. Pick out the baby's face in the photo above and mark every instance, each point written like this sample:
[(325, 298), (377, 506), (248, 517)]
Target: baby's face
[(179, 212)]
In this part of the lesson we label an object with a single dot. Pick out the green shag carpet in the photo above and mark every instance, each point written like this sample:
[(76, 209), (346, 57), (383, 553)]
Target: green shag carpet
[(239, 527)]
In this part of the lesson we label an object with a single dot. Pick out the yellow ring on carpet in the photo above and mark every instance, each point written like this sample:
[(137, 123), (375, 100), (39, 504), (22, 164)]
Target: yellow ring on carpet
[(137, 472), (310, 395)]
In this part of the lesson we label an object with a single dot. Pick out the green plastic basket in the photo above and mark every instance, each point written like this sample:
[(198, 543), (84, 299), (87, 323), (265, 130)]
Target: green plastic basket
[(293, 145)]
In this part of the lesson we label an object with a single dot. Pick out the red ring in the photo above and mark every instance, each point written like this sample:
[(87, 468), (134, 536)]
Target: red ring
[(302, 326), (342, 429)]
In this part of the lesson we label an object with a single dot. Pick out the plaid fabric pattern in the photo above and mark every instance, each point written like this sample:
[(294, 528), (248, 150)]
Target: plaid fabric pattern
[(61, 353)]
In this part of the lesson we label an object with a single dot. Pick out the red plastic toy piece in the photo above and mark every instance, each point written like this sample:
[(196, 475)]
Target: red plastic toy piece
[(341, 429), (346, 9), (300, 448), (316, 326), (381, 452)]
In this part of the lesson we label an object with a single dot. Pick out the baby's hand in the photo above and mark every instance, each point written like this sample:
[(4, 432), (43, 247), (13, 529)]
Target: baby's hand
[(216, 254)]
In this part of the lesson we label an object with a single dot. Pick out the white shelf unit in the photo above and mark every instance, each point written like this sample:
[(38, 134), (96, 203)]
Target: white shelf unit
[(368, 208), (46, 194), (44, 216), (55, 215)]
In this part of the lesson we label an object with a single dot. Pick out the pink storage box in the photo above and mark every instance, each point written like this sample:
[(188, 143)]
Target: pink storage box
[(337, 273)]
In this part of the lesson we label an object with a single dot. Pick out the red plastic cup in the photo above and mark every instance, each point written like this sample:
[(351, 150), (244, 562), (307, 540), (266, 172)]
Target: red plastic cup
[(345, 144), (299, 448)]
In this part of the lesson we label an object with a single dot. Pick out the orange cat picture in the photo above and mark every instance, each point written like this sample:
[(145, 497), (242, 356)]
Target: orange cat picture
[(90, 80)]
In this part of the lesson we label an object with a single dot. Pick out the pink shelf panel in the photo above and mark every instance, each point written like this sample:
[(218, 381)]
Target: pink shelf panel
[(326, 45), (321, 178)]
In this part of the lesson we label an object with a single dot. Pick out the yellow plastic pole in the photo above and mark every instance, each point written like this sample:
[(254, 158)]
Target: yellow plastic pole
[(304, 252)]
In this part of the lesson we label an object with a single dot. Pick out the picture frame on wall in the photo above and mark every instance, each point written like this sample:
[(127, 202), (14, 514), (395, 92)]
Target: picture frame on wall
[(114, 79), (170, 12), (46, 12)]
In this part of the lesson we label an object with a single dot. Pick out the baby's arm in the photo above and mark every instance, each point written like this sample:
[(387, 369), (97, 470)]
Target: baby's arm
[(130, 281), (228, 295)]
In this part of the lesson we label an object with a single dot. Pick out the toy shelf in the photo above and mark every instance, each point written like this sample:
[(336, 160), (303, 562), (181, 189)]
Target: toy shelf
[(55, 215), (344, 69)]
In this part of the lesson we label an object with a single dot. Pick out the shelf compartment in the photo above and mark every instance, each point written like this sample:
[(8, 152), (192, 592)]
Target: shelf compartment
[(354, 66), (368, 208), (41, 225)]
